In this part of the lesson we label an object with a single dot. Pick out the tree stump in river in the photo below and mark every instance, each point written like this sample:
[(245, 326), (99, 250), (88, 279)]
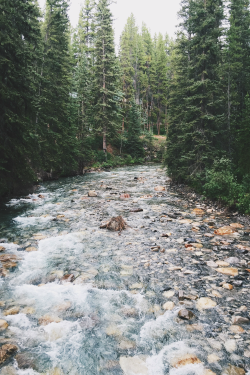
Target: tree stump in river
[(116, 224)]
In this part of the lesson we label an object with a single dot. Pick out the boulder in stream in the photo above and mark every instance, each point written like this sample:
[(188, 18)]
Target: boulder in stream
[(116, 224)]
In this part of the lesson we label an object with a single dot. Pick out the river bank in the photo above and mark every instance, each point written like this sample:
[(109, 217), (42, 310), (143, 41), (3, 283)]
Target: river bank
[(167, 295)]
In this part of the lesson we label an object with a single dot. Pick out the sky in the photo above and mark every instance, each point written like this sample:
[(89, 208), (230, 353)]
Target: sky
[(159, 15)]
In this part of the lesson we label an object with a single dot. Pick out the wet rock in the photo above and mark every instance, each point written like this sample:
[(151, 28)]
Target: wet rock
[(8, 370), (133, 366), (28, 311), (24, 361), (230, 346), (224, 231), (113, 330), (155, 248), (168, 294), (215, 293), (160, 188), (127, 345), (233, 370), (227, 286), (47, 319), (221, 263), (181, 295), (212, 264), (228, 271), (194, 327), (30, 249), (236, 225), (188, 359), (6, 351), (232, 260), (115, 224), (2, 248), (136, 210), (205, 303), (12, 311), (3, 325), (68, 278), (240, 320), (124, 196), (186, 314), (92, 193), (168, 305), (236, 329), (64, 306), (212, 358), (237, 283)]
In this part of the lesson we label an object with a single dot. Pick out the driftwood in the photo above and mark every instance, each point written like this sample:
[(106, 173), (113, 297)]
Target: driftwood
[(116, 224)]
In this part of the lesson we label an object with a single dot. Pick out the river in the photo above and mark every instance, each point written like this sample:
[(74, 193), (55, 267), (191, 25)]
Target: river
[(150, 300)]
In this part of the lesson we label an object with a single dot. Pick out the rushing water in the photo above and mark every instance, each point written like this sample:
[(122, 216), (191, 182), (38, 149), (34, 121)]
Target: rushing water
[(107, 317)]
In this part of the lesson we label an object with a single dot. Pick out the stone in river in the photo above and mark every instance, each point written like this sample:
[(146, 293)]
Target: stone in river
[(160, 188), (230, 346), (227, 286), (233, 370), (186, 314), (212, 264), (47, 319), (228, 271), (169, 294), (68, 278), (127, 344), (2, 248), (92, 193), (8, 370), (30, 249), (133, 366), (236, 225), (12, 311), (113, 330), (240, 320), (224, 231), (232, 260), (198, 212), (221, 263), (205, 303), (187, 359), (6, 351), (28, 310), (236, 329), (213, 358), (215, 293), (3, 325), (168, 305)]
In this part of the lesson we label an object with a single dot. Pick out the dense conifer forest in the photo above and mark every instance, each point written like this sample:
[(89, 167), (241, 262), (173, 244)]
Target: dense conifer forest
[(69, 100)]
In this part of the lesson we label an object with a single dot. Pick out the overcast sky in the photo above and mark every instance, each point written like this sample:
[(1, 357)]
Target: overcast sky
[(159, 15)]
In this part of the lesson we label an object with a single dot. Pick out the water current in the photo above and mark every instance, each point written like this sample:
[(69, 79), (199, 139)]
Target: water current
[(83, 300)]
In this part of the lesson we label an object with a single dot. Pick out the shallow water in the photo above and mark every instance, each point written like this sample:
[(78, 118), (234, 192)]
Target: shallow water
[(112, 307)]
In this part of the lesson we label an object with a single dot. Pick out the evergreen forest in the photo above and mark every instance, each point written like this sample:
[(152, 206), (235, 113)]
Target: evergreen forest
[(70, 100)]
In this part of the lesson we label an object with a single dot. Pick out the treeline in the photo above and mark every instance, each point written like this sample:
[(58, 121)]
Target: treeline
[(62, 103), (209, 103)]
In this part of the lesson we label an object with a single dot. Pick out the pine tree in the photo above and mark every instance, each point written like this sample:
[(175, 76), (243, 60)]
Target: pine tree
[(107, 93), (161, 93), (198, 136), (57, 134), (134, 144), (237, 55), (19, 51)]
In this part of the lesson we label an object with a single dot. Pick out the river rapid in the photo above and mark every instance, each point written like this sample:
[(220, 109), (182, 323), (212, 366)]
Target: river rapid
[(164, 296)]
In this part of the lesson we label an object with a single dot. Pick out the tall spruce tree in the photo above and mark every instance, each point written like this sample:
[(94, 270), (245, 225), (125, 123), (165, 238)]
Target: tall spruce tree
[(198, 136), (57, 134), (19, 52), (237, 57), (134, 144), (107, 94)]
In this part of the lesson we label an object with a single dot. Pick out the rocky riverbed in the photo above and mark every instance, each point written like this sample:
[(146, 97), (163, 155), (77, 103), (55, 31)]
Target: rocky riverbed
[(169, 294)]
